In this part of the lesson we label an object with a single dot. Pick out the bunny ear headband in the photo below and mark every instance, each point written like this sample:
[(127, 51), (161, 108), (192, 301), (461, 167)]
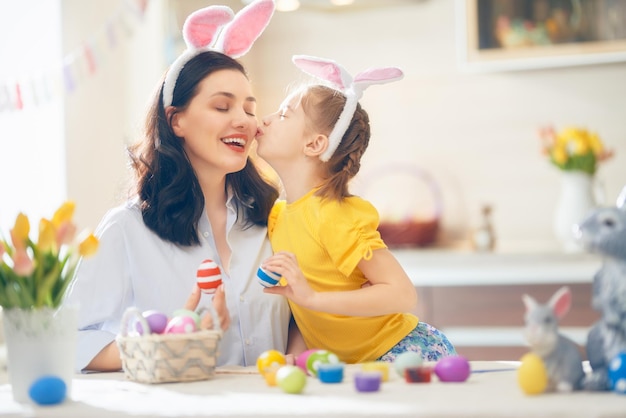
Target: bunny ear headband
[(340, 80), (201, 32)]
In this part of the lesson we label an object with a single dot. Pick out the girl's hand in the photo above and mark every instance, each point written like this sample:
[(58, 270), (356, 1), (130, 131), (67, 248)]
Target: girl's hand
[(297, 288), (219, 303)]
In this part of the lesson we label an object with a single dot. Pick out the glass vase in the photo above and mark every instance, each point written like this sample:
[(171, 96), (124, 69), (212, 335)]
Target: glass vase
[(40, 342)]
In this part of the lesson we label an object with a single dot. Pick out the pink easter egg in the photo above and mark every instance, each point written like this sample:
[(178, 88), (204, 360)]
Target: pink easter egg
[(302, 359), (209, 276), (180, 325)]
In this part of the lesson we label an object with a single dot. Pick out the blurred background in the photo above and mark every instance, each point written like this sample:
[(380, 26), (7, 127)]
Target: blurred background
[(458, 133)]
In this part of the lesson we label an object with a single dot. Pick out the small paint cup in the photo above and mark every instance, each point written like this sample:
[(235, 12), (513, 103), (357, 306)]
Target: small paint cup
[(377, 366), (418, 374), (330, 372), (367, 381)]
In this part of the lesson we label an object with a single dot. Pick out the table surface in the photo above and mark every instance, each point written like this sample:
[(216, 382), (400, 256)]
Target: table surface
[(490, 391)]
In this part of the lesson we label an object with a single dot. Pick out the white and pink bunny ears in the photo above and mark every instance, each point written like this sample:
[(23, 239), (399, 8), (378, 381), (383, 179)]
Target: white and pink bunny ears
[(339, 79), (201, 32)]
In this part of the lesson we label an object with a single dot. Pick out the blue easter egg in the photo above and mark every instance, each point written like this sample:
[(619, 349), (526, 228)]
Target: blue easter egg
[(267, 278), (48, 390)]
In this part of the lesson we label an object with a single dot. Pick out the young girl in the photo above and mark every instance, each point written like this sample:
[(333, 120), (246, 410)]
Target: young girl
[(347, 292)]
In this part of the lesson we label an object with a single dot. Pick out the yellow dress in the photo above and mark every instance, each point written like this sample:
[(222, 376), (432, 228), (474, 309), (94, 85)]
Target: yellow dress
[(329, 239)]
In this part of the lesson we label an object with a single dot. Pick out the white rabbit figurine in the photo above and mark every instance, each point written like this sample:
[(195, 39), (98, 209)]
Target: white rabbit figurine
[(603, 232), (561, 356)]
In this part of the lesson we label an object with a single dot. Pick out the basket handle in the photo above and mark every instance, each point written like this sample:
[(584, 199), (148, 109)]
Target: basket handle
[(413, 171), (133, 313), (216, 319)]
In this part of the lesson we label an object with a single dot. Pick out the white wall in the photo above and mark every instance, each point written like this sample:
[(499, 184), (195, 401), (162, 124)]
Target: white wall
[(474, 133)]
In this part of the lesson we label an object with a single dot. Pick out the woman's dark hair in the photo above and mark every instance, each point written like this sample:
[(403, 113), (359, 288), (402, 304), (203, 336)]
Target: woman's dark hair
[(170, 196), (323, 106)]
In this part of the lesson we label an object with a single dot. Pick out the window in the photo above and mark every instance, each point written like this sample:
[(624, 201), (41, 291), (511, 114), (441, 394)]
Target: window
[(32, 155)]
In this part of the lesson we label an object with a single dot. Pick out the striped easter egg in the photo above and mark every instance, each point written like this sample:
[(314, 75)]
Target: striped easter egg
[(267, 278), (209, 276)]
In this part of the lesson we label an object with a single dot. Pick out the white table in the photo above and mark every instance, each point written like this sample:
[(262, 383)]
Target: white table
[(491, 391)]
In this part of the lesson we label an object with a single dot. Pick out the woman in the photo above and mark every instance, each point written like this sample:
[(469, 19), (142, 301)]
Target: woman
[(198, 196)]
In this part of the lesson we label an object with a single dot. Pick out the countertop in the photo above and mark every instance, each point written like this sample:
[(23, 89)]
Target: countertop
[(435, 267), (491, 391)]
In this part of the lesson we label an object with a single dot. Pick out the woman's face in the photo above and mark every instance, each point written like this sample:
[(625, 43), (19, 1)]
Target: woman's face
[(283, 133), (219, 124)]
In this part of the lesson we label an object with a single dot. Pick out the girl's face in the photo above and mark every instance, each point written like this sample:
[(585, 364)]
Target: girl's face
[(219, 124), (283, 133)]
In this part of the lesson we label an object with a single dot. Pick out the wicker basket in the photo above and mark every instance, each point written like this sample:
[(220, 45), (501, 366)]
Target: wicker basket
[(160, 358), (411, 232)]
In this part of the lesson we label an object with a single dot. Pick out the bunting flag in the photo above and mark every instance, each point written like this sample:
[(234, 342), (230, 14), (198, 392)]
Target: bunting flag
[(26, 91)]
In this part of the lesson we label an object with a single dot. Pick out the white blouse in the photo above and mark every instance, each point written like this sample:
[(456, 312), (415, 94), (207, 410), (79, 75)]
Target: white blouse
[(134, 267)]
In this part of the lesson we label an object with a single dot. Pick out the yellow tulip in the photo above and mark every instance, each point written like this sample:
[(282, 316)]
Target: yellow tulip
[(47, 236), (596, 144), (19, 233), (64, 213), (581, 146), (88, 246), (559, 155)]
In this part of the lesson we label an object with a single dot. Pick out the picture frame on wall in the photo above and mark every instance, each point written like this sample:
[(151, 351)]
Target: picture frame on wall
[(505, 35)]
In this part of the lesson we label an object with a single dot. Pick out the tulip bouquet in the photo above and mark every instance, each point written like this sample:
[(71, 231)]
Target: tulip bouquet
[(574, 149), (37, 274)]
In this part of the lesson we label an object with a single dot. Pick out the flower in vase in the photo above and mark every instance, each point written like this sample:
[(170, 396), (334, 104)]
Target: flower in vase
[(35, 274), (574, 148)]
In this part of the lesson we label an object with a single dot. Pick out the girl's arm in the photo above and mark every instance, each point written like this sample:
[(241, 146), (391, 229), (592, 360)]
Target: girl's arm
[(391, 290)]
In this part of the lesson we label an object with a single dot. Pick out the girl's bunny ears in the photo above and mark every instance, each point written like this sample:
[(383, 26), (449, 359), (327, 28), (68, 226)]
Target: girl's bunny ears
[(201, 32), (339, 79)]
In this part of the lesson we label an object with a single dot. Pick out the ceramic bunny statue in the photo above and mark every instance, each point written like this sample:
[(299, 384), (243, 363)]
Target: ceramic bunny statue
[(603, 232), (561, 356)]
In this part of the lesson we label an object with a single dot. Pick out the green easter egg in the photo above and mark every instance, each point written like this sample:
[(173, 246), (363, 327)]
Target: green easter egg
[(318, 357), (291, 379)]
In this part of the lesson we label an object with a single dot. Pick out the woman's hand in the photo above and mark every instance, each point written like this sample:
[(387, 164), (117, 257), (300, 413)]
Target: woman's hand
[(219, 304), (297, 288)]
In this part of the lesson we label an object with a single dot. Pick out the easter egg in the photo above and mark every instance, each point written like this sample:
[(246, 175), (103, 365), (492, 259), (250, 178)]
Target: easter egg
[(267, 278), (209, 276), (157, 321), (189, 313), (407, 359), (180, 325), (270, 360), (291, 379), (617, 373), (452, 369), (48, 390), (303, 357), (319, 357), (532, 375)]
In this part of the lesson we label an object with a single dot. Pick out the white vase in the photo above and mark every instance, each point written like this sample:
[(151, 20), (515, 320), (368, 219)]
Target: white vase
[(576, 200), (40, 342)]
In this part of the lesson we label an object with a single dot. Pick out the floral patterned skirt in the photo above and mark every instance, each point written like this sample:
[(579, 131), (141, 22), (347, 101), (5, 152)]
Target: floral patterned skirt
[(425, 339)]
